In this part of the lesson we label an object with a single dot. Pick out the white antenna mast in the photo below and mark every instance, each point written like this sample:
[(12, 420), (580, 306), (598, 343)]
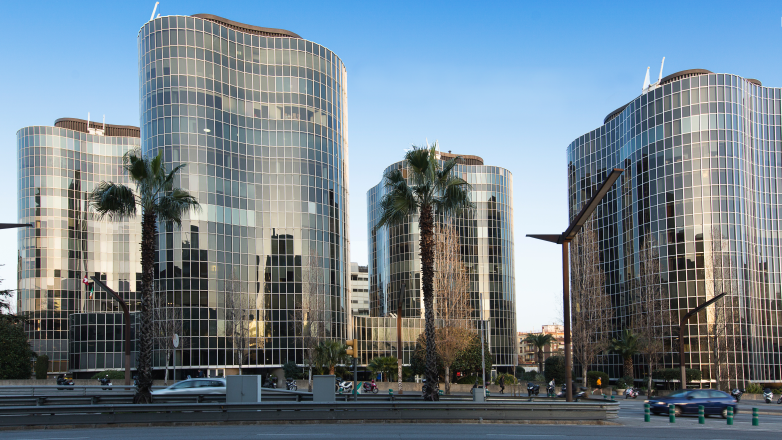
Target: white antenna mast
[(660, 78), (104, 123), (152, 17), (88, 121), (646, 81)]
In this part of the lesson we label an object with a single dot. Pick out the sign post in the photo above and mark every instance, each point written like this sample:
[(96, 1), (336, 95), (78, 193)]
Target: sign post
[(175, 341)]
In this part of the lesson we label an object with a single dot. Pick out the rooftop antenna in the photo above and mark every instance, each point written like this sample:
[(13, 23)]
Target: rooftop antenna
[(660, 78), (646, 80), (88, 121), (104, 123), (152, 17)]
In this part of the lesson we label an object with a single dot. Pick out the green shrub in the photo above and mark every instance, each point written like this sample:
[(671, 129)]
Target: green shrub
[(16, 353), (754, 388), (41, 366), (519, 371), (592, 378), (671, 374), (292, 371), (555, 369), (468, 380), (776, 390), (529, 376), (624, 382), (113, 374), (509, 379)]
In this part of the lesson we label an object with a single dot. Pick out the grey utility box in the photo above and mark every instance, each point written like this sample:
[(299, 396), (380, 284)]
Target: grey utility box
[(478, 394), (243, 389), (323, 388)]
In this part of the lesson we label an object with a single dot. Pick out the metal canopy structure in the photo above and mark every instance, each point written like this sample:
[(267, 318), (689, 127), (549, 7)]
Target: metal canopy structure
[(564, 239), (126, 315)]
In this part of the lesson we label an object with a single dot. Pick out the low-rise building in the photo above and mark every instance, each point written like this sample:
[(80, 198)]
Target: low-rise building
[(528, 352), (359, 286)]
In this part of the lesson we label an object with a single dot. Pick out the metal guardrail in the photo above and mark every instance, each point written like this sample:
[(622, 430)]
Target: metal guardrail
[(71, 390), (305, 411)]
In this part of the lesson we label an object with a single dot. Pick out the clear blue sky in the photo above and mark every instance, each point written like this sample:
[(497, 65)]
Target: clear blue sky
[(514, 82)]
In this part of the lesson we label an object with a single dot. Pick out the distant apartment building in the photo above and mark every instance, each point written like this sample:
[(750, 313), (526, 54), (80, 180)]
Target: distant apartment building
[(528, 352), (359, 286)]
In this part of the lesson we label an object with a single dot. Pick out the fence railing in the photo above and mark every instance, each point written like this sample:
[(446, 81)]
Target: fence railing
[(305, 411)]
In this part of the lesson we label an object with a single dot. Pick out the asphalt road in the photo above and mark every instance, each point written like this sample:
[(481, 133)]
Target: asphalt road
[(630, 418)]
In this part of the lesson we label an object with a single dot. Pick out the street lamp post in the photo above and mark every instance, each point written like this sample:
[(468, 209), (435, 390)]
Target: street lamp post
[(399, 335), (564, 239), (126, 314), (682, 323)]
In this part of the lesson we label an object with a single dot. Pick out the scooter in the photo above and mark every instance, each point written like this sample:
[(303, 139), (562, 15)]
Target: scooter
[(269, 383), (290, 384), (345, 387), (631, 393), (736, 393), (779, 401), (105, 383), (550, 391), (370, 387), (532, 389), (768, 396)]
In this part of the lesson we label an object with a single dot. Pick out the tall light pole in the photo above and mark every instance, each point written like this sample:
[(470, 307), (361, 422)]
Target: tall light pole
[(682, 323), (126, 314), (564, 239)]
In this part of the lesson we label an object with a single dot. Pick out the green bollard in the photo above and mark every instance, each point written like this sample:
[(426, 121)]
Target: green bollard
[(439, 392), (730, 415), (701, 416), (671, 414), (755, 421), (390, 391), (647, 413)]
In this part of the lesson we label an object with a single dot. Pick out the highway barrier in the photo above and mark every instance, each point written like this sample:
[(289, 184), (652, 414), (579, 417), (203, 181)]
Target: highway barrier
[(520, 412)]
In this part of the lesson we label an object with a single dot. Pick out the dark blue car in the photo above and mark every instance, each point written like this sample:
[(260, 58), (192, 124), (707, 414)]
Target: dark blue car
[(687, 402)]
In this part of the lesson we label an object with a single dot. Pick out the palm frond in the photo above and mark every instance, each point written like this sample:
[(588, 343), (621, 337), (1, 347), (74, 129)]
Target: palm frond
[(398, 203), (113, 200), (417, 161), (135, 164), (174, 204), (455, 197)]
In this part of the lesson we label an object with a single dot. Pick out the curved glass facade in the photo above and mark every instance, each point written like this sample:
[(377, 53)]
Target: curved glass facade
[(701, 154), (58, 168), (260, 119), (486, 240)]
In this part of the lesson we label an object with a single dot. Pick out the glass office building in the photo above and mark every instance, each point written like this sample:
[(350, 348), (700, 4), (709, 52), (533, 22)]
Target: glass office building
[(701, 153), (259, 116), (486, 240), (58, 167)]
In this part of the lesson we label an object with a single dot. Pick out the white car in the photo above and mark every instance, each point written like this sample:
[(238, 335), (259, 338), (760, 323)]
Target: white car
[(193, 387)]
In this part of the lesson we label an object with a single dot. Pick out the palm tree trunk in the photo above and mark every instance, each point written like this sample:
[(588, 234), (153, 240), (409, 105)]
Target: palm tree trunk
[(540, 360), (447, 379), (426, 223), (628, 366), (148, 235)]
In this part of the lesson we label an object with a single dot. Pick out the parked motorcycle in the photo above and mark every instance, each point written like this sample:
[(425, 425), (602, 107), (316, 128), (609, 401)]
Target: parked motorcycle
[(736, 393), (62, 380), (370, 387), (269, 383), (631, 393), (105, 383), (576, 397), (779, 401), (768, 396), (550, 390), (532, 389), (290, 384)]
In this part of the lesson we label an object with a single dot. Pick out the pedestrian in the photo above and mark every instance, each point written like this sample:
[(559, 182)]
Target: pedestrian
[(599, 387), (502, 384)]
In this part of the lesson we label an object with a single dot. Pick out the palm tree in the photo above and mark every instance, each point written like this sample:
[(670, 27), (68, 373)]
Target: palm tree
[(387, 365), (160, 201), (432, 188), (330, 353), (539, 341), (627, 347)]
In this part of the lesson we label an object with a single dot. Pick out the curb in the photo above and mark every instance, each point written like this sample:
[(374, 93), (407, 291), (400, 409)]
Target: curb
[(319, 422)]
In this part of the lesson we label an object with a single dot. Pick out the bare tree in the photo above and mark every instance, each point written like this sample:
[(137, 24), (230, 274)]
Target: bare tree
[(313, 321), (237, 319), (721, 317), (650, 311), (591, 308), (452, 299), (167, 322)]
